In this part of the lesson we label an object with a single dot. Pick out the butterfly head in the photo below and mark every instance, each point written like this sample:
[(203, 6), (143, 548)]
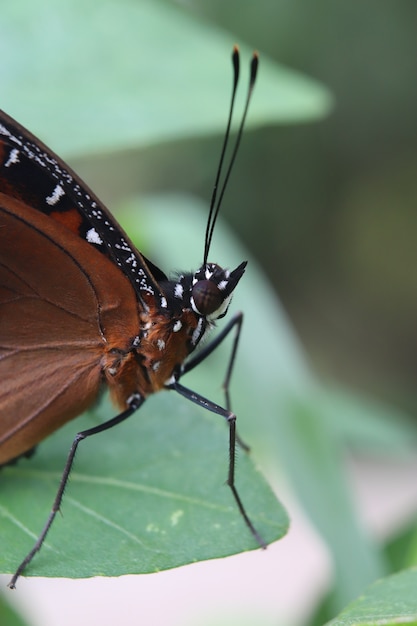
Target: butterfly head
[(212, 289)]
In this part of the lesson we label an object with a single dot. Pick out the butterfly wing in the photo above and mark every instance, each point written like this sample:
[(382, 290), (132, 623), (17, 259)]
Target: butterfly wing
[(58, 316), (31, 172), (71, 287)]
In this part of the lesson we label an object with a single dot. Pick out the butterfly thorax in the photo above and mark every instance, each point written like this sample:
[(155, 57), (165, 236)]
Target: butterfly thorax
[(168, 334)]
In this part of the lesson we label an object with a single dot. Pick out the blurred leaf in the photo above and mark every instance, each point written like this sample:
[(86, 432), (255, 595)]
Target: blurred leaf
[(401, 550), (8, 617), (89, 76), (368, 424), (314, 456), (147, 496), (389, 602)]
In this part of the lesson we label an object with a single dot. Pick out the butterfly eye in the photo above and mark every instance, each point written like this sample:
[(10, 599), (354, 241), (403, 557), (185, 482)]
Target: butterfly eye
[(207, 297)]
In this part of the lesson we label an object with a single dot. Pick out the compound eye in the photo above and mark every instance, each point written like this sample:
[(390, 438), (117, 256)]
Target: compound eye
[(207, 297)]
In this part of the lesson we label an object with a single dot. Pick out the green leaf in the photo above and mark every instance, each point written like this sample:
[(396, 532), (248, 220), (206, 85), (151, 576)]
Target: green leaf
[(93, 76), (146, 496), (401, 550), (8, 617), (389, 602)]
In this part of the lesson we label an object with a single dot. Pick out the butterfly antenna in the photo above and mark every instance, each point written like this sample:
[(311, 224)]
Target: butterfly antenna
[(215, 207), (207, 239)]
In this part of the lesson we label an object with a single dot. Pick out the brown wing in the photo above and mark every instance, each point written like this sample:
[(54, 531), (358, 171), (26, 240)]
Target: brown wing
[(62, 304)]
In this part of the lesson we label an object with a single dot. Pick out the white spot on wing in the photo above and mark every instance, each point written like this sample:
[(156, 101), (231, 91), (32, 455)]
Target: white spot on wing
[(92, 236), (4, 131), (177, 326), (13, 158), (57, 193)]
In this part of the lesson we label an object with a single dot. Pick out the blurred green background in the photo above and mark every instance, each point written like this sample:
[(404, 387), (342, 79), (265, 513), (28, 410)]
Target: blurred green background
[(329, 208), (339, 197)]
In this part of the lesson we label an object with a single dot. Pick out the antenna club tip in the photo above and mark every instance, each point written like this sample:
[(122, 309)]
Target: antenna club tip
[(254, 67), (235, 56)]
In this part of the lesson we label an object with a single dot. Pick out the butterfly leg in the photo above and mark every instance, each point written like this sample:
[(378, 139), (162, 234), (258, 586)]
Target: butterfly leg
[(234, 323), (134, 403), (231, 420)]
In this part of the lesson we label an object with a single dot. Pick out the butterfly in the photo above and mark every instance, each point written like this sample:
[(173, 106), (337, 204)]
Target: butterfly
[(80, 307)]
